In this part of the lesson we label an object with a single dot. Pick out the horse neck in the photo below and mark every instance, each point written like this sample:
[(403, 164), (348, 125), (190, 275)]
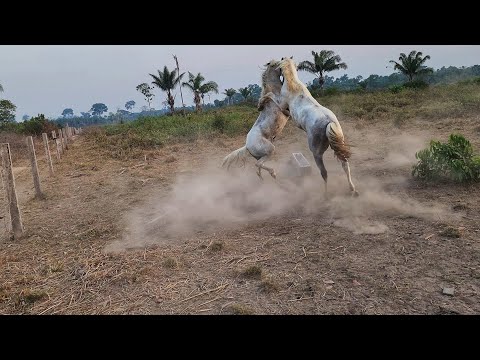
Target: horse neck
[(291, 78), (273, 87), (271, 83)]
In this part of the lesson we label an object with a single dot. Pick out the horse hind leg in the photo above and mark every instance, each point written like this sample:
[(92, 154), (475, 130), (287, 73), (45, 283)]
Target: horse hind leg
[(260, 165), (346, 168), (323, 169)]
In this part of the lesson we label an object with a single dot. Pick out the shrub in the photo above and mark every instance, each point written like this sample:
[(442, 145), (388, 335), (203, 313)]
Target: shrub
[(416, 84), (453, 160), (219, 123), (396, 88)]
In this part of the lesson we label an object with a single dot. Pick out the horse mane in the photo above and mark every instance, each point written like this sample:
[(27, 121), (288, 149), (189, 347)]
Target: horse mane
[(289, 72)]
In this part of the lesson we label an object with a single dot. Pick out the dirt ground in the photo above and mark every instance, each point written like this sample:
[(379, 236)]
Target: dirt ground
[(392, 250)]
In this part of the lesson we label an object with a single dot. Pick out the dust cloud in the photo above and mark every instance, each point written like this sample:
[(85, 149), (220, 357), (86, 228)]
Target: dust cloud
[(213, 200)]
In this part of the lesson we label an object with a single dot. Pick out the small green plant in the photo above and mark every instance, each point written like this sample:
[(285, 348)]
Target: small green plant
[(219, 123), (453, 160)]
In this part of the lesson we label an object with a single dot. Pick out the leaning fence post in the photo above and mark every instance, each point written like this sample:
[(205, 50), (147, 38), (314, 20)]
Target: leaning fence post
[(47, 152), (9, 184), (33, 163)]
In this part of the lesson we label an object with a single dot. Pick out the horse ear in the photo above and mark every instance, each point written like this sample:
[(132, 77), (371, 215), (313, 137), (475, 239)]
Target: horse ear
[(291, 57)]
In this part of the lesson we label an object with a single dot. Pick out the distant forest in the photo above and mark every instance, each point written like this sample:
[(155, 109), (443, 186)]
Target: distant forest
[(443, 75)]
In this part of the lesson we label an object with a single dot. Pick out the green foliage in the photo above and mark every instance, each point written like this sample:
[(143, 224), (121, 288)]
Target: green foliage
[(331, 91), (395, 89), (129, 104), (37, 125), (412, 65), (324, 61), (67, 112), (219, 123), (98, 109), (128, 139), (7, 112), (453, 160), (146, 91), (416, 84)]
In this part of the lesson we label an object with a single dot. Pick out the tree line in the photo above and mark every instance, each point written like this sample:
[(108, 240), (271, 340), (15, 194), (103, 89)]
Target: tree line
[(410, 70)]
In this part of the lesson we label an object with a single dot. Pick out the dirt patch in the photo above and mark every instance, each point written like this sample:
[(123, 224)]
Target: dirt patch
[(381, 253)]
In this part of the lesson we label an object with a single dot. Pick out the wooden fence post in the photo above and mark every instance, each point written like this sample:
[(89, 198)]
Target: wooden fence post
[(47, 152), (54, 135), (9, 184), (33, 163), (57, 144), (65, 138)]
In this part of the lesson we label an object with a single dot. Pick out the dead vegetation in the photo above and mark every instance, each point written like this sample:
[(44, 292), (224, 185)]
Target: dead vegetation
[(294, 262)]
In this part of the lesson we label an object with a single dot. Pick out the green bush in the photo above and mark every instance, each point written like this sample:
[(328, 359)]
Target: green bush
[(396, 88), (453, 160), (416, 84), (219, 123)]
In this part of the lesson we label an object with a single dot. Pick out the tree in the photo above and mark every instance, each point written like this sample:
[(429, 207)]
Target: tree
[(229, 92), (167, 81), (25, 117), (147, 92), (7, 112), (85, 115), (98, 109), (67, 113), (210, 86), (412, 65), (1, 88), (129, 104), (245, 92), (324, 61), (199, 90)]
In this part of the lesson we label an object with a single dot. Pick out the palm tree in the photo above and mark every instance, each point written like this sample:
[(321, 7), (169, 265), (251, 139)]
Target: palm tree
[(245, 92), (229, 92), (210, 86), (324, 61), (412, 64), (167, 81), (199, 90)]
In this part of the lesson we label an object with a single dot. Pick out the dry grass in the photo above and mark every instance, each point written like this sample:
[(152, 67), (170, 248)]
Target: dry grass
[(61, 265), (451, 232), (253, 272), (240, 309)]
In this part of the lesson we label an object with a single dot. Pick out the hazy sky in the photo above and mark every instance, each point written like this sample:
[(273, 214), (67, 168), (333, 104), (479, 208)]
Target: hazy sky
[(49, 78)]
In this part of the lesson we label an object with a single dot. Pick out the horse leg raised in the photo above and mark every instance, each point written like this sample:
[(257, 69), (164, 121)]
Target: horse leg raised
[(323, 170), (260, 164), (346, 168)]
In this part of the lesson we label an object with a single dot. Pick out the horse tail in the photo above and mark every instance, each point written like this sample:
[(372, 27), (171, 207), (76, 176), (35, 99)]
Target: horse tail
[(235, 156), (337, 141)]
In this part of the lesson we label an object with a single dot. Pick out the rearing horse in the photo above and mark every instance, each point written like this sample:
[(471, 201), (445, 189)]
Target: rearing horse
[(269, 124), (320, 123)]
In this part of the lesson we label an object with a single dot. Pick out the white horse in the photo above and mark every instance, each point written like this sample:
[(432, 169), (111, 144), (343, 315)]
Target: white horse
[(320, 124), (269, 124)]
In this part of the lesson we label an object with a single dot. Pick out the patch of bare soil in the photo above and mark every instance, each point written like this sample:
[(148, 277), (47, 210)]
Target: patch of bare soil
[(158, 236)]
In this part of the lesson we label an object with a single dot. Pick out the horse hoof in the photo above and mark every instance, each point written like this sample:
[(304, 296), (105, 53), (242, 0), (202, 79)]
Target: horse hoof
[(274, 175), (355, 194)]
